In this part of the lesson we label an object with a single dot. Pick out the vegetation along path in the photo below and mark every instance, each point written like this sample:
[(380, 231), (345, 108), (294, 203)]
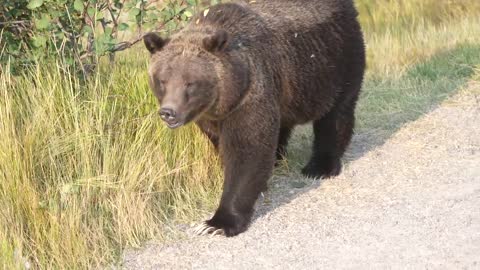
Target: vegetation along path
[(412, 202)]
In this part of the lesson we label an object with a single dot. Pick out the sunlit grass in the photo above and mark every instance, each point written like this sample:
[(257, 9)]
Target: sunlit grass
[(87, 169), (402, 33)]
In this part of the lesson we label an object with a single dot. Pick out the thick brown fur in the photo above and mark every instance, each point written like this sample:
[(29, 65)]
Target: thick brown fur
[(246, 74)]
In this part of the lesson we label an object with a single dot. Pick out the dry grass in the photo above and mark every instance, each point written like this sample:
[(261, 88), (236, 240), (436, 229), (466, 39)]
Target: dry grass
[(87, 169), (402, 33)]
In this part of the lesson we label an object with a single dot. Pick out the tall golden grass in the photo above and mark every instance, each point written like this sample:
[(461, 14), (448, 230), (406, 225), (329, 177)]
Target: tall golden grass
[(86, 170)]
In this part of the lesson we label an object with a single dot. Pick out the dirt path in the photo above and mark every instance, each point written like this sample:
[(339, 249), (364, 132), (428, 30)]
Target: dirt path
[(413, 202)]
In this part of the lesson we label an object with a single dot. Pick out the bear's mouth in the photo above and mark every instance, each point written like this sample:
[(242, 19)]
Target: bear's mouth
[(174, 124), (170, 119)]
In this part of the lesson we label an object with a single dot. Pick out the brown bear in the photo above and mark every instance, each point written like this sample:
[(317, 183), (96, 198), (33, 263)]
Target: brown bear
[(246, 74)]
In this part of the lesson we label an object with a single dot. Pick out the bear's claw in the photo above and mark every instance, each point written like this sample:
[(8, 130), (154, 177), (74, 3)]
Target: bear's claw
[(204, 229), (218, 232)]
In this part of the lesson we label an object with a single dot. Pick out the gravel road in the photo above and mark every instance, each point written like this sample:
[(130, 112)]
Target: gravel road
[(412, 202)]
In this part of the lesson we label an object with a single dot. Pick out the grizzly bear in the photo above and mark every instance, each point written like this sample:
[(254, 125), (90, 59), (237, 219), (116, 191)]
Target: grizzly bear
[(247, 74)]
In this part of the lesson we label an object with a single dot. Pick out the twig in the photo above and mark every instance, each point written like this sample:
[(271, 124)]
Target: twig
[(14, 22)]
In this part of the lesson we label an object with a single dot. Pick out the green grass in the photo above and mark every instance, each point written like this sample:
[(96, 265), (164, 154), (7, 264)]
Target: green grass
[(388, 103), (88, 169)]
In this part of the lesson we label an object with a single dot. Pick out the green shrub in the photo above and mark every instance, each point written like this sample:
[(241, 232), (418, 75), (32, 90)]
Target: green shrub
[(81, 31)]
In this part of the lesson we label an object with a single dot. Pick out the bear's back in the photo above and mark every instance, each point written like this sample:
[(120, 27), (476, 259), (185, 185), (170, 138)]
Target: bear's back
[(305, 46), (301, 15), (315, 41)]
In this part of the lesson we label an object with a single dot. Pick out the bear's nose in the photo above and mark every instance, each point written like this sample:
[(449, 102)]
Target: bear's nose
[(167, 114)]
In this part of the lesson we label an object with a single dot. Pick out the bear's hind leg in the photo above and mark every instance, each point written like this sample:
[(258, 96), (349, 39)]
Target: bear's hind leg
[(325, 161), (345, 124)]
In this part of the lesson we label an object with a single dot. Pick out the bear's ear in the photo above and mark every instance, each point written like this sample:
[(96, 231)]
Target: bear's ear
[(216, 42), (153, 42)]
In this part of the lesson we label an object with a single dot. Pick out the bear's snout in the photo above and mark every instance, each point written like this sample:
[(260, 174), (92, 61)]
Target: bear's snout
[(169, 115)]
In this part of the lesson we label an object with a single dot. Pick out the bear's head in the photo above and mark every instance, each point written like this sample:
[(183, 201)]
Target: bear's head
[(190, 74)]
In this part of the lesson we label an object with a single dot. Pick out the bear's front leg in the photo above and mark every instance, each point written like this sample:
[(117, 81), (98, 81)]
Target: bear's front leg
[(248, 142)]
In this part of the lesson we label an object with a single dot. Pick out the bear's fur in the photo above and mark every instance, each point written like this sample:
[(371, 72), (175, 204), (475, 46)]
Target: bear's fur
[(246, 74)]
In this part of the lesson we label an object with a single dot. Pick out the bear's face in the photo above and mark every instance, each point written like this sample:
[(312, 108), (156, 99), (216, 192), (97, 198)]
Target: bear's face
[(185, 87), (184, 80)]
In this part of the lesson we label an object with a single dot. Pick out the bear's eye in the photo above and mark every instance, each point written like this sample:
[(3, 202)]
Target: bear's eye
[(160, 82), (189, 90)]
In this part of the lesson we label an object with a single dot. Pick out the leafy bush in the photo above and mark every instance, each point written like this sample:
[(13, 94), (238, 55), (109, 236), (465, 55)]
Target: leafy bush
[(81, 31)]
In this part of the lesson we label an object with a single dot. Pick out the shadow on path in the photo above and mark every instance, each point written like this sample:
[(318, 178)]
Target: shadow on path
[(384, 107)]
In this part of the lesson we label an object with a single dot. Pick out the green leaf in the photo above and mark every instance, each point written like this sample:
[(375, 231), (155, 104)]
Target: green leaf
[(188, 13), (134, 12), (166, 14), (108, 31), (122, 27), (191, 2), (39, 41), (87, 29), (43, 23), (54, 14), (69, 60), (60, 35), (129, 4), (149, 25), (78, 5), (171, 25), (99, 16), (33, 4), (91, 12)]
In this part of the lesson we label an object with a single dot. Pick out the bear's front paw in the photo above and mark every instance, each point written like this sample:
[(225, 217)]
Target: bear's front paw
[(223, 224)]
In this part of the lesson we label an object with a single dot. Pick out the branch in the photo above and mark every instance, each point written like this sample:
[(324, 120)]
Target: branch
[(119, 11), (127, 44), (14, 22)]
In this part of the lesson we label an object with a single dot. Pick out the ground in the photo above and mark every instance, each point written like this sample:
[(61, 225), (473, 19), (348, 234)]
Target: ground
[(411, 201)]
